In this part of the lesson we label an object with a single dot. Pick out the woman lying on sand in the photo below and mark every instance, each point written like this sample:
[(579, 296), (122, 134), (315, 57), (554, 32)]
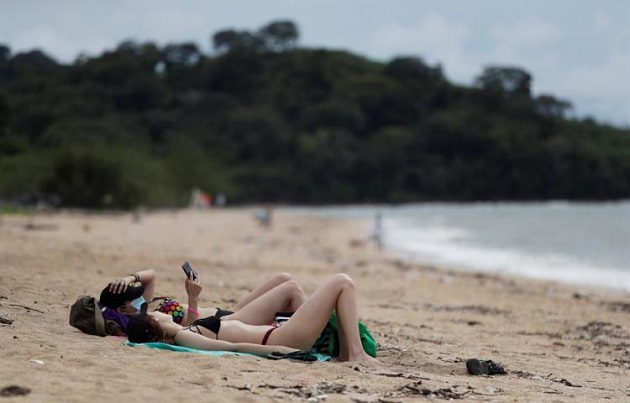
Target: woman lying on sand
[(124, 296), (299, 333)]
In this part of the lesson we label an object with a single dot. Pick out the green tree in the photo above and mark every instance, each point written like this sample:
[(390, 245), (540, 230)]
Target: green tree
[(383, 102), (4, 116), (107, 177), (383, 158), (231, 40), (333, 114), (511, 80), (181, 55), (552, 107), (412, 69), (258, 134), (280, 35), (326, 163), (29, 64), (262, 119), (237, 73), (5, 54)]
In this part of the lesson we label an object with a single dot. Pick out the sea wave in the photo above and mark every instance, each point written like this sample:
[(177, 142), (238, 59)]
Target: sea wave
[(460, 248)]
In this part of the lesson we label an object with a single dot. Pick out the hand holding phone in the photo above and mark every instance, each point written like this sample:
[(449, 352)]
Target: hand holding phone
[(190, 273)]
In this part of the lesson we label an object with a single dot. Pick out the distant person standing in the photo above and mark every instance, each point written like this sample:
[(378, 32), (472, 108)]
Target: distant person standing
[(377, 231), (194, 198), (221, 200), (265, 216), (199, 199)]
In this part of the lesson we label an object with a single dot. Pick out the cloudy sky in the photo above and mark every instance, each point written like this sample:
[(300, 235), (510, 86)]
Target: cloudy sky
[(577, 50)]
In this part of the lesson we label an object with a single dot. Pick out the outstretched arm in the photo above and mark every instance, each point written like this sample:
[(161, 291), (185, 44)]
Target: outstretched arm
[(194, 340)]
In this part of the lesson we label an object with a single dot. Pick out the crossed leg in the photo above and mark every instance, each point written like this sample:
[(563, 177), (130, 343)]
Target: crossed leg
[(279, 294), (268, 285), (306, 324)]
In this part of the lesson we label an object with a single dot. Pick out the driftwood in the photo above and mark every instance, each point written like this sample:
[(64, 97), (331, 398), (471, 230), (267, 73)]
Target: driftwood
[(27, 307)]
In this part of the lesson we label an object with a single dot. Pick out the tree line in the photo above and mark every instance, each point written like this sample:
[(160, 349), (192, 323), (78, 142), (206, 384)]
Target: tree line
[(262, 119)]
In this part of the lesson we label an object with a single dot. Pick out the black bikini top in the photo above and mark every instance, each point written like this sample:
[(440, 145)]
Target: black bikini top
[(211, 323)]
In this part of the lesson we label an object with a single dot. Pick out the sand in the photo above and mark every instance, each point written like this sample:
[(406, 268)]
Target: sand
[(557, 342)]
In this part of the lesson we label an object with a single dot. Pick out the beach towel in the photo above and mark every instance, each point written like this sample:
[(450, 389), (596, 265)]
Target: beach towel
[(328, 341), (171, 347)]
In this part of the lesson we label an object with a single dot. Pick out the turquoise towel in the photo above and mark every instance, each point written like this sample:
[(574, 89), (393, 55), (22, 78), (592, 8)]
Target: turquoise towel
[(171, 347)]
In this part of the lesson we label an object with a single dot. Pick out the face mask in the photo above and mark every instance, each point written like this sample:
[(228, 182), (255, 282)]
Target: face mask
[(137, 303)]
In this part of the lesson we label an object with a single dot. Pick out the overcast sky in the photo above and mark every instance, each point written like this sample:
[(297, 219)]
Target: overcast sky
[(577, 50)]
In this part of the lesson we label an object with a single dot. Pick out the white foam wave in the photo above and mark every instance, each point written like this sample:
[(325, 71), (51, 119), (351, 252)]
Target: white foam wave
[(455, 247)]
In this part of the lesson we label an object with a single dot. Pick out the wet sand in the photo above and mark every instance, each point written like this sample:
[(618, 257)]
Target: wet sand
[(557, 342)]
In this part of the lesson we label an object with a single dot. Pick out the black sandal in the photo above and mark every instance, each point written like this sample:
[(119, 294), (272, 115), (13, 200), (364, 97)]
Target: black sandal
[(488, 367), (299, 355)]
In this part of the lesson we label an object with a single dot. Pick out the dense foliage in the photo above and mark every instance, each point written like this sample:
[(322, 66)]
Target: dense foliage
[(261, 119)]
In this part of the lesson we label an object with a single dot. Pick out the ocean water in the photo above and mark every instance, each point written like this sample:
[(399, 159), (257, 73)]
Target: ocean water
[(576, 243)]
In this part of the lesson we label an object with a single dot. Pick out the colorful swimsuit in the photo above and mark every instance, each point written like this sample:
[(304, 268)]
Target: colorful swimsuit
[(171, 307)]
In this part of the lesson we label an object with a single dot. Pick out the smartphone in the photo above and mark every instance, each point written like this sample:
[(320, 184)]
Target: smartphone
[(189, 271)]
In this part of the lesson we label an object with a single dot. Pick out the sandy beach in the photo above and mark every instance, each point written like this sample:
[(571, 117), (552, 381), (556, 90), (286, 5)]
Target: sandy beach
[(558, 342)]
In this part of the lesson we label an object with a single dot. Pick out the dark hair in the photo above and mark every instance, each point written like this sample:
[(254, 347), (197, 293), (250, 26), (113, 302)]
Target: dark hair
[(139, 329)]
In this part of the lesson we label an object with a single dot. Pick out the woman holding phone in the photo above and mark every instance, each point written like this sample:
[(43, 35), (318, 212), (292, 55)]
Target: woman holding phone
[(123, 297)]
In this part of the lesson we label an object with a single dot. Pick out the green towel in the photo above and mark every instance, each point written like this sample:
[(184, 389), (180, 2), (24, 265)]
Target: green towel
[(171, 347)]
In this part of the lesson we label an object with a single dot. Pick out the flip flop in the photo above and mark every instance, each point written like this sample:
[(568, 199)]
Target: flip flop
[(487, 367), (296, 355)]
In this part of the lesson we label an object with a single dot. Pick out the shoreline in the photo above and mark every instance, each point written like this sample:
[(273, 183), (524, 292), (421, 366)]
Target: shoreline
[(444, 243), (582, 286), (555, 340)]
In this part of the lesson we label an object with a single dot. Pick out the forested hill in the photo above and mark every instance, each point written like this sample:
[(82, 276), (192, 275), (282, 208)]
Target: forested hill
[(262, 119)]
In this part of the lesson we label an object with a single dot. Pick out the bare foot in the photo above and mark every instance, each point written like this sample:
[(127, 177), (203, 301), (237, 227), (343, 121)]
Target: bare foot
[(360, 357), (364, 357)]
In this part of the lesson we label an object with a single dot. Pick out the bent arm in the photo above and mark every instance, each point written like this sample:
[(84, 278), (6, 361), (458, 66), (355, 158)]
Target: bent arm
[(193, 289), (145, 277), (193, 340)]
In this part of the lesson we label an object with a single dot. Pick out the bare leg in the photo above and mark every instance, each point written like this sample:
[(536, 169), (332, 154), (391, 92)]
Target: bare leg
[(271, 283), (350, 348), (287, 296), (307, 322), (293, 296)]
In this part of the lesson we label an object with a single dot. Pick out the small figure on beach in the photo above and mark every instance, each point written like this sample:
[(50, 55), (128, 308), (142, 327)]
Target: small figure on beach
[(265, 216), (199, 199), (221, 200), (377, 231), (298, 333)]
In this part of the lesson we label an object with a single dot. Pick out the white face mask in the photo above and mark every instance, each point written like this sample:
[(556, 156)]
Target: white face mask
[(137, 303)]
